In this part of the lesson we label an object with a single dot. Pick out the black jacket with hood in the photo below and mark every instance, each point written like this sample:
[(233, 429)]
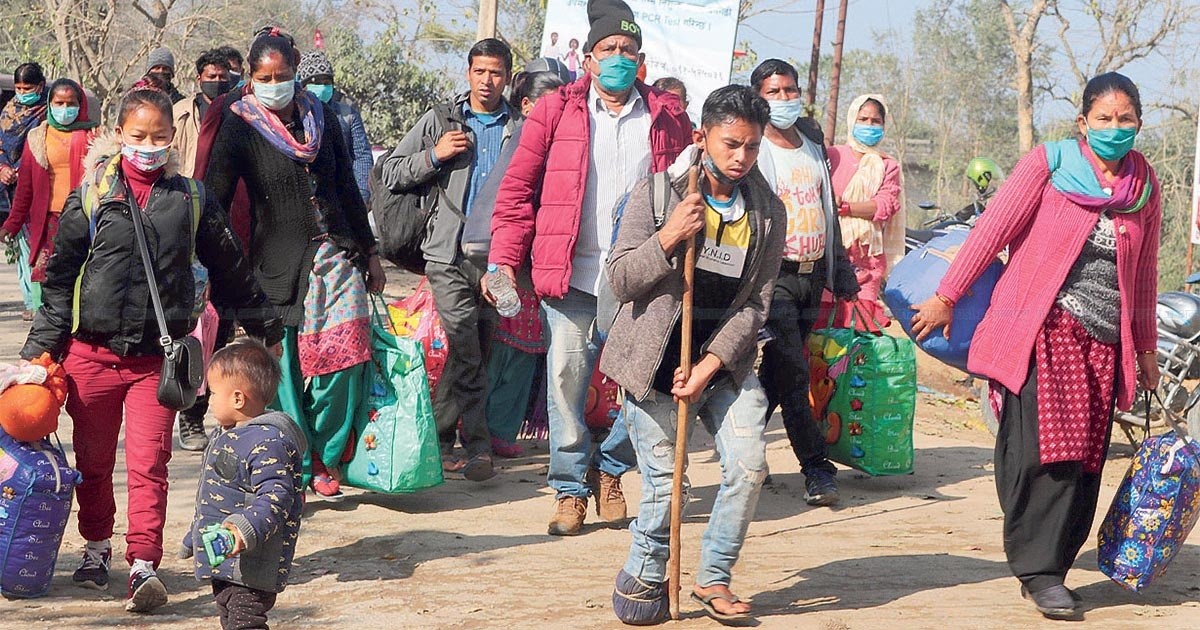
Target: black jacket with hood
[(103, 265)]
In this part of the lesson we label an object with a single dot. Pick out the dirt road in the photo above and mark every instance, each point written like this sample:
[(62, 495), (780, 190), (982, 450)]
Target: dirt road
[(917, 551)]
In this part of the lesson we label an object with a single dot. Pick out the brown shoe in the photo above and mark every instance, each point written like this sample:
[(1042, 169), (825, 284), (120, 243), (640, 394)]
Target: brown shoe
[(568, 516), (610, 500)]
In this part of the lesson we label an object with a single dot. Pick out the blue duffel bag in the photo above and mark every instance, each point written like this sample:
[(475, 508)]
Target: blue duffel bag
[(915, 279), (36, 484)]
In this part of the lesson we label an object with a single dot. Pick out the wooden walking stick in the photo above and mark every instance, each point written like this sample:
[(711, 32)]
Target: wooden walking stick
[(682, 415)]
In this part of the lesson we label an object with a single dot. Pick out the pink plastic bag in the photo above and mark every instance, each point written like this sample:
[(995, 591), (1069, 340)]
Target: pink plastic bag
[(416, 318), (206, 332)]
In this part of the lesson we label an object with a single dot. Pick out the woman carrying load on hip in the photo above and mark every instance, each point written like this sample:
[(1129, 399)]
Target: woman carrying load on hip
[(96, 320), (311, 245), (869, 188), (1070, 330), (53, 167)]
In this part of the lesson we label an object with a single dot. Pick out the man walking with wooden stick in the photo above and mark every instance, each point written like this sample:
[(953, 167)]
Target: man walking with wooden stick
[(737, 224)]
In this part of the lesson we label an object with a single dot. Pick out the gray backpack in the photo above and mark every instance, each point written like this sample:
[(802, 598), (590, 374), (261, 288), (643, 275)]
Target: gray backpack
[(660, 195)]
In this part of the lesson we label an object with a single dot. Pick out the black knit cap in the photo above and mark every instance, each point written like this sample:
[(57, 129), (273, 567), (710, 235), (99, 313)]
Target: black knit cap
[(610, 17)]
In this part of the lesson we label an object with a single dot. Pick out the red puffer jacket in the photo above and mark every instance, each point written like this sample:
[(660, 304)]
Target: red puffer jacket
[(551, 164)]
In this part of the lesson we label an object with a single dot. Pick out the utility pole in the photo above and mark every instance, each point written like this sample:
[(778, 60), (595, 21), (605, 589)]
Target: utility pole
[(487, 20), (835, 75), (810, 98)]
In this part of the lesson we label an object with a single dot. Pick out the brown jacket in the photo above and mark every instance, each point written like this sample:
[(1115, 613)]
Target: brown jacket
[(649, 285), (187, 134)]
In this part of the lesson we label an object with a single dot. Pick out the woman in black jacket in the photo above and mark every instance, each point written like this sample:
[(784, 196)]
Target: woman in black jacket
[(310, 244), (98, 319)]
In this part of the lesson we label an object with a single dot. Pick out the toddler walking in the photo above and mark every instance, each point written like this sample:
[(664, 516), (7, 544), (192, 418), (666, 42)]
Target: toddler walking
[(251, 493)]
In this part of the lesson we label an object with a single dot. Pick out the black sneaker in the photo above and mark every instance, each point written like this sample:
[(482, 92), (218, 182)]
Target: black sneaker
[(146, 592), (93, 570), (820, 488), (191, 433)]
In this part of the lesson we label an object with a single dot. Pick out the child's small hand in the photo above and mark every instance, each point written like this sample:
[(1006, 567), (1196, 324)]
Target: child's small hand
[(239, 544)]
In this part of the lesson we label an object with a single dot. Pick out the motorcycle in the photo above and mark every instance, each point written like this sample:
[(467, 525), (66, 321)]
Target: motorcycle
[(1178, 357)]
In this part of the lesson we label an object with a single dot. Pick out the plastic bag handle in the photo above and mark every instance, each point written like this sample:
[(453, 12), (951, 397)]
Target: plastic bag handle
[(381, 319)]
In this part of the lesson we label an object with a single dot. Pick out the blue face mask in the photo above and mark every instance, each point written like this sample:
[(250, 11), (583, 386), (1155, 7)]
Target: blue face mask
[(1112, 143), (784, 114), (275, 96), (617, 73), (64, 115), (323, 92), (869, 135), (29, 98)]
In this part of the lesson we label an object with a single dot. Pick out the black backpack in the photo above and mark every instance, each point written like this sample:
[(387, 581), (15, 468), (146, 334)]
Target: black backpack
[(402, 217)]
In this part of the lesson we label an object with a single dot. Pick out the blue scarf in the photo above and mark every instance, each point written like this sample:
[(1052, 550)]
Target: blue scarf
[(1073, 175)]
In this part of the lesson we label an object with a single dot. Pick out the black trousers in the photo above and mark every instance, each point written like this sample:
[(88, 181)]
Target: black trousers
[(242, 607), (462, 390), (784, 370), (1048, 509)]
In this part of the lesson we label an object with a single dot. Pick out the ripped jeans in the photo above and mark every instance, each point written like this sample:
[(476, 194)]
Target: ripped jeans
[(736, 417)]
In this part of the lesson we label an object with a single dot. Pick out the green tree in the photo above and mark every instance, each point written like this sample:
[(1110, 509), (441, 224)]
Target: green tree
[(392, 91)]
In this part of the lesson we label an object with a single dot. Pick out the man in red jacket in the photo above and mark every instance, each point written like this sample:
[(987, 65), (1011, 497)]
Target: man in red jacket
[(581, 152)]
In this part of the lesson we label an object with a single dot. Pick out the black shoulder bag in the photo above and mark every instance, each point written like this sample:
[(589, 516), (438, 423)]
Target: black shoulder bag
[(183, 359)]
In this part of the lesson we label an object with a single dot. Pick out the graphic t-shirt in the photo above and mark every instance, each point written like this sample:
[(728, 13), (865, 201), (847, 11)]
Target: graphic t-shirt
[(720, 266), (798, 180)]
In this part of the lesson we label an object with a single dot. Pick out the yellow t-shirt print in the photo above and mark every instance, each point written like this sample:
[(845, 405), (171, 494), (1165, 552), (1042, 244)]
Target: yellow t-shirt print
[(725, 245)]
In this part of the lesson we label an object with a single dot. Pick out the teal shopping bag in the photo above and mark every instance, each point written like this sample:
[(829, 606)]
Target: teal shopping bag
[(395, 443)]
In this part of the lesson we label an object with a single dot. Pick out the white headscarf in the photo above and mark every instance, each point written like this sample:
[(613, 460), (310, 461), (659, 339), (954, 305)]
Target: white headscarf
[(880, 238)]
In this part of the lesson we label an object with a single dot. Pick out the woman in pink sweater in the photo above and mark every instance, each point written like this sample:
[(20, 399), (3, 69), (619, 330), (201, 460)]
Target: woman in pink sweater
[(867, 185), (1070, 330)]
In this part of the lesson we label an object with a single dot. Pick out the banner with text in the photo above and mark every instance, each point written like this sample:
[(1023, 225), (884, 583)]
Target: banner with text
[(691, 40)]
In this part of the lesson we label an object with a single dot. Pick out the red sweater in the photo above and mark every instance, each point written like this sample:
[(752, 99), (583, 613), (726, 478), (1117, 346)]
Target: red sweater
[(552, 161), (31, 202), (1045, 232)]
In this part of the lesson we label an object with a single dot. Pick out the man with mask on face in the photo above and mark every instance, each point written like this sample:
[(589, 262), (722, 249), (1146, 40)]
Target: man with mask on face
[(794, 162), (456, 145), (608, 131), (315, 74), (161, 63), (212, 80), (234, 60)]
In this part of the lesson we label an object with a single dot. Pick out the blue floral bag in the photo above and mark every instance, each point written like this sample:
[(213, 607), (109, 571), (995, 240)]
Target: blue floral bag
[(1155, 508)]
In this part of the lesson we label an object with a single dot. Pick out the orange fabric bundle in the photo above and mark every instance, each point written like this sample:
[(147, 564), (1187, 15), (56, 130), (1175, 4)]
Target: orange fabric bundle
[(30, 412)]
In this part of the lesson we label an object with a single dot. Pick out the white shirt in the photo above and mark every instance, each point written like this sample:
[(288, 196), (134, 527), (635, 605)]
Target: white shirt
[(619, 158), (797, 179)]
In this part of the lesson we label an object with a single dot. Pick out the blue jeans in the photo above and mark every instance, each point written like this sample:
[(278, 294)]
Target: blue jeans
[(571, 357), (736, 417)]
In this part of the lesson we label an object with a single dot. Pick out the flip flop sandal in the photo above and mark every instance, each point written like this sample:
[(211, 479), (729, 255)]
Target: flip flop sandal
[(327, 487), (479, 468), (724, 618), (452, 464)]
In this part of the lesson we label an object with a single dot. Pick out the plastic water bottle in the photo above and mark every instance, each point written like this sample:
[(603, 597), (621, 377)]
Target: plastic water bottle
[(508, 303)]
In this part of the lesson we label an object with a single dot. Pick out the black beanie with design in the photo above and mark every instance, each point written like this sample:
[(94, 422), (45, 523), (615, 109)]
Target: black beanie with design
[(608, 18)]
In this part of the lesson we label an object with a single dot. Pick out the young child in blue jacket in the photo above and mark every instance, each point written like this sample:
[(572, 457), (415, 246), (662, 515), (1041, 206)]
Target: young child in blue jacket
[(250, 487)]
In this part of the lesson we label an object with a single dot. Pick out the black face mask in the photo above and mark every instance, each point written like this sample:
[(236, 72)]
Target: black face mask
[(213, 89)]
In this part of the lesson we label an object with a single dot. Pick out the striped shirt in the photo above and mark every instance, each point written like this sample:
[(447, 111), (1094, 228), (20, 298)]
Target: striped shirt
[(619, 158)]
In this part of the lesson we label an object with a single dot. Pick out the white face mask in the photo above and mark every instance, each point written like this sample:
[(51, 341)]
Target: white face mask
[(275, 96)]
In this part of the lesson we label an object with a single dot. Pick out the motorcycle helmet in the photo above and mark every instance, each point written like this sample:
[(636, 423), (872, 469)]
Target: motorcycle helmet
[(984, 173)]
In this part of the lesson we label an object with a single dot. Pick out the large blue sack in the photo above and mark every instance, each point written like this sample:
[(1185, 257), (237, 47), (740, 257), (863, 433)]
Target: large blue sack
[(36, 485), (915, 279)]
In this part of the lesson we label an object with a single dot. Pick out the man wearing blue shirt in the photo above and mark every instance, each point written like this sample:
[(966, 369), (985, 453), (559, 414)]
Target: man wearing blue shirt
[(457, 147)]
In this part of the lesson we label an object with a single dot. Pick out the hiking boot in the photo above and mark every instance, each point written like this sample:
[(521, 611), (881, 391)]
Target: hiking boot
[(820, 488), (93, 569), (1056, 602), (610, 500), (146, 591), (191, 433), (568, 516)]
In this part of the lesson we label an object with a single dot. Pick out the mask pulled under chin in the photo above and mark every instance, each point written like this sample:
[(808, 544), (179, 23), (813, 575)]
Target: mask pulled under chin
[(711, 167)]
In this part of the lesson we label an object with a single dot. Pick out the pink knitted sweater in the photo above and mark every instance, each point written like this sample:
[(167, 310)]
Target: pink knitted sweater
[(1045, 233)]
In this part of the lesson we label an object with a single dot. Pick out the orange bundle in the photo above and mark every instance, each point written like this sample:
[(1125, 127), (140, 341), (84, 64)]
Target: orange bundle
[(30, 412)]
